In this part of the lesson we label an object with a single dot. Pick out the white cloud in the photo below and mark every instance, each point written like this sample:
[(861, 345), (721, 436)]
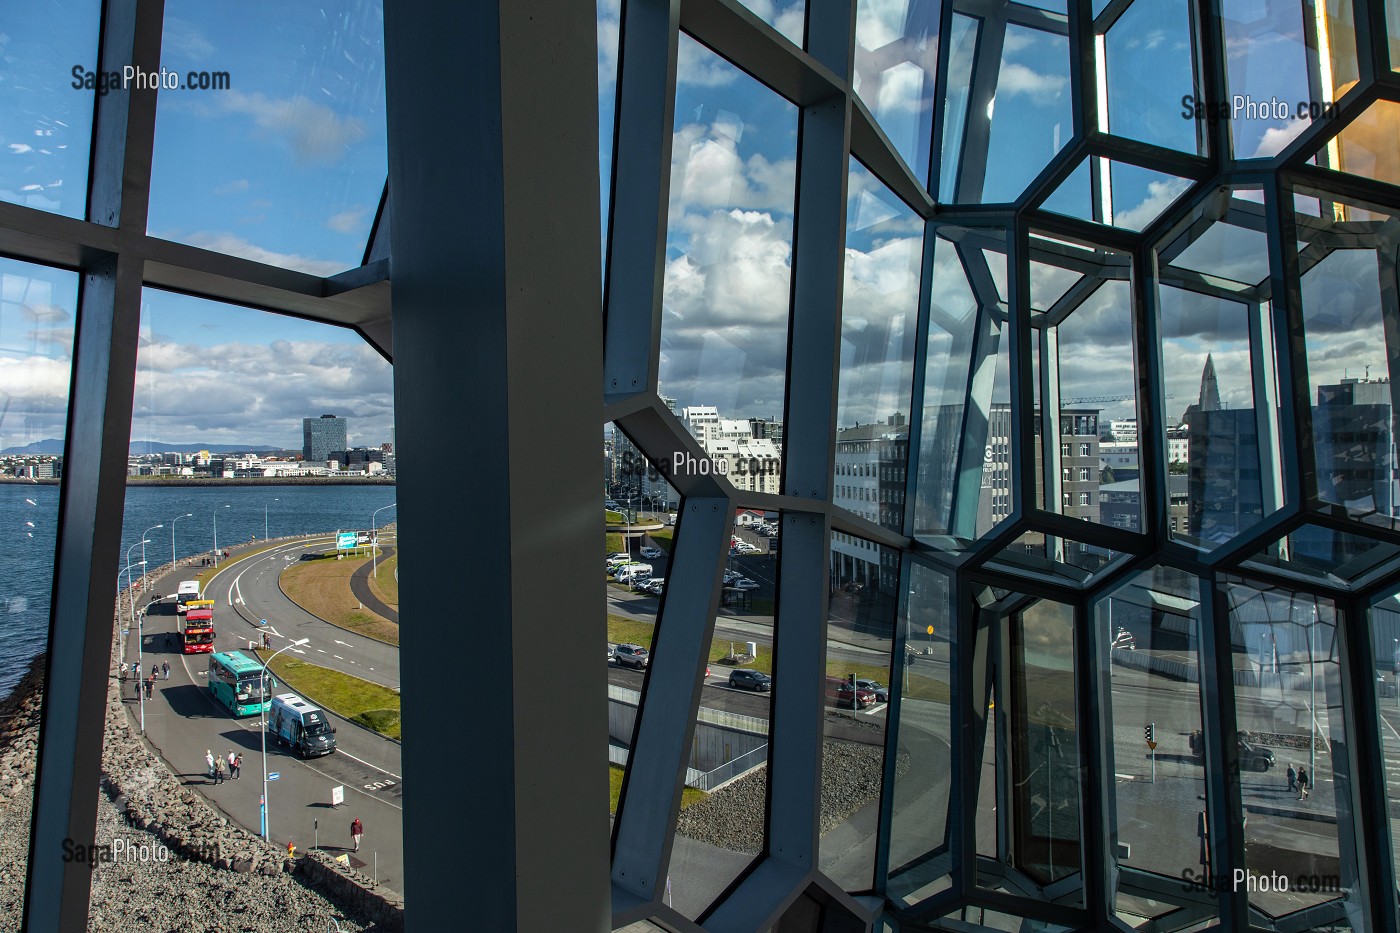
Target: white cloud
[(314, 132), (708, 172), (697, 65), (1277, 138), (1160, 195), (1018, 79), (235, 186), (235, 245), (184, 39), (351, 221), (21, 148)]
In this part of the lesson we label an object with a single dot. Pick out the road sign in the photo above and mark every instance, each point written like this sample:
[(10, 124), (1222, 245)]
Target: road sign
[(930, 629), (274, 775), (1152, 745), (345, 540), (337, 795)]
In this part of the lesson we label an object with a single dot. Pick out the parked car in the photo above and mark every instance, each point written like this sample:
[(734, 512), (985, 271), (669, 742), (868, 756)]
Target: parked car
[(656, 586), (745, 547), (620, 555), (744, 583), (882, 693), (730, 576), (750, 680), (651, 553), (857, 697), (1124, 639), (1254, 757), (634, 656)]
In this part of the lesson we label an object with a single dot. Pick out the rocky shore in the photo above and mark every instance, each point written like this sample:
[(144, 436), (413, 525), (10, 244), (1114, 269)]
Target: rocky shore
[(164, 859)]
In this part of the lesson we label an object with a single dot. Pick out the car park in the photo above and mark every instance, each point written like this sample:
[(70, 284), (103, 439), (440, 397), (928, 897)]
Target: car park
[(744, 583), (634, 656), (730, 576), (882, 693), (651, 553), (750, 680)]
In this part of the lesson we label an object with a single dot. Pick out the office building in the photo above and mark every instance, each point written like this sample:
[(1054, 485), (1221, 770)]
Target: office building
[(322, 438)]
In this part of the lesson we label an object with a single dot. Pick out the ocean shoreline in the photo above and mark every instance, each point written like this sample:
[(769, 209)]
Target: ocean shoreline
[(211, 481)]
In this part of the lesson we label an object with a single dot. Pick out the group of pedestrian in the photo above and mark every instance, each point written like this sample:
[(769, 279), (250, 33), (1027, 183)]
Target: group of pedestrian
[(216, 768), (1299, 781)]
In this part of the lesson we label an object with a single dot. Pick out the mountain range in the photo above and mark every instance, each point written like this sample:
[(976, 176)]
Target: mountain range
[(51, 447)]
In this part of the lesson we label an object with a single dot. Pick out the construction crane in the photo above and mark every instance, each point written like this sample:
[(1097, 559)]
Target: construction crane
[(1102, 399)]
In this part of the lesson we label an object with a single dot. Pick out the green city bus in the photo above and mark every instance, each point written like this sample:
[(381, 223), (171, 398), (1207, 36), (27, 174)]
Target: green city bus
[(235, 680)]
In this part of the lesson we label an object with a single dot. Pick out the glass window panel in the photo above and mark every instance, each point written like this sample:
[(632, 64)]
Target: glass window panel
[(860, 635), (237, 487), (1074, 197), (789, 17), (896, 55), (1392, 26), (729, 261), (1149, 68), (1130, 197), (38, 310), (1319, 554), (1030, 115), (1366, 146), (918, 842), (1149, 661), (884, 253), (1289, 708), (952, 331), (989, 420), (962, 43), (609, 31), (1385, 650), (1055, 558), (286, 164), (47, 119), (1045, 769)]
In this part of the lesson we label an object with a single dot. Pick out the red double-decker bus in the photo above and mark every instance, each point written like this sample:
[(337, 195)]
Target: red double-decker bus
[(197, 628)]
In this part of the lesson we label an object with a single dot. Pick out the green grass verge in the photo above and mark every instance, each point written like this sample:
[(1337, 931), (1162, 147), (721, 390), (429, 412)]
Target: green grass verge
[(385, 585), (613, 543), (207, 573), (613, 518), (689, 795), (358, 700), (663, 538), (321, 586)]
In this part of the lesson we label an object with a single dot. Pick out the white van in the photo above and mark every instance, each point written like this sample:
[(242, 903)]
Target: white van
[(630, 571), (189, 589), (301, 726)]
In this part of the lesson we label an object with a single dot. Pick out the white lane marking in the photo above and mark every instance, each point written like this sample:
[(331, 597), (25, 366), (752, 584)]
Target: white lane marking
[(351, 786), (322, 650), (298, 651), (345, 643), (367, 764), (371, 668), (337, 657)]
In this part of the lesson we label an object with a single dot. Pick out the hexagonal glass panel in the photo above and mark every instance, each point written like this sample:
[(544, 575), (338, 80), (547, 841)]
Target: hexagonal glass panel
[(728, 260), (1366, 146), (46, 110), (1148, 661), (1323, 555), (1051, 558), (789, 17), (1277, 52), (1146, 58), (1392, 27), (896, 58), (1016, 119), (1384, 624), (918, 834), (1128, 196), (1348, 299), (957, 103), (1290, 712), (280, 164), (1217, 353)]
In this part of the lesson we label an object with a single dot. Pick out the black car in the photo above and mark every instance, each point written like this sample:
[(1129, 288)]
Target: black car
[(750, 680)]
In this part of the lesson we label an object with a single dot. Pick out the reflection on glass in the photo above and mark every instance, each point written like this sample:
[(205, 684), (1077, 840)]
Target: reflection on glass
[(1366, 146), (1148, 64), (1288, 700), (962, 45), (47, 98), (728, 264), (884, 251), (1030, 113), (918, 843), (860, 635), (1315, 554), (284, 164), (1054, 558), (786, 16), (895, 57), (1384, 624), (1125, 195), (1150, 661), (609, 30), (1392, 28), (1046, 773), (722, 820)]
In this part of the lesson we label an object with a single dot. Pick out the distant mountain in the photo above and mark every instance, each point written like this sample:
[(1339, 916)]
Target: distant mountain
[(51, 447)]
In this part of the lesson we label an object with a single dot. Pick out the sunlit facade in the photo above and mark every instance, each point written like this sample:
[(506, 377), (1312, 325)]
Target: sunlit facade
[(929, 256)]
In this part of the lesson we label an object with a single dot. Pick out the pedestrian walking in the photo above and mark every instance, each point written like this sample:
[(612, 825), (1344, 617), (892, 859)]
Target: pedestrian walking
[(150, 686), (1304, 779), (165, 669), (218, 771), (357, 829), (1292, 777), (237, 765), (155, 671), (231, 759), (209, 762)]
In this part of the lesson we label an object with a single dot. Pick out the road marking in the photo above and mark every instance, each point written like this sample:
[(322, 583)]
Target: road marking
[(345, 643), (298, 651), (337, 657), (368, 764), (322, 650)]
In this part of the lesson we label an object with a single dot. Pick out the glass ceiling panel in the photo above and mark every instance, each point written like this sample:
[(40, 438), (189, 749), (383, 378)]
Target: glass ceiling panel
[(1368, 147), (287, 164), (728, 254), (789, 17), (1030, 113), (1149, 68), (45, 121), (1132, 199), (896, 57)]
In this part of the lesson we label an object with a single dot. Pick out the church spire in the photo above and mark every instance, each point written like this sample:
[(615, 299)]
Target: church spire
[(1210, 389)]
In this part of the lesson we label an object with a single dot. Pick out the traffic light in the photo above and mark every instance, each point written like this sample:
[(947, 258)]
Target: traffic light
[(1149, 732)]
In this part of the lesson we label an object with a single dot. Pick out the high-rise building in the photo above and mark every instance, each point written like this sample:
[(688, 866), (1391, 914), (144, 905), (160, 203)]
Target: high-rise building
[(322, 437)]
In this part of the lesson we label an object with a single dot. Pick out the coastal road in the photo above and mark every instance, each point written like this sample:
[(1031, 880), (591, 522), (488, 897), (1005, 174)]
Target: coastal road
[(183, 720)]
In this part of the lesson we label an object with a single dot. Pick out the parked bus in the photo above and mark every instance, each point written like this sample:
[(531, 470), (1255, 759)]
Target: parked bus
[(189, 589), (235, 681), (197, 627)]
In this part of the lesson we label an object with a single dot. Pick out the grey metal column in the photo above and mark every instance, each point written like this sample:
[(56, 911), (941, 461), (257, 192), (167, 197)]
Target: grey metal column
[(93, 488), (493, 186)]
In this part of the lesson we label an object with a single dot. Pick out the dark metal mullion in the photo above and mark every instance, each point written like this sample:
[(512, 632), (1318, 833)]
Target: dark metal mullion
[(93, 487), (1372, 40), (1019, 370), (377, 246), (1152, 405), (1210, 25), (939, 102), (913, 452), (1370, 807), (976, 139), (638, 209), (1294, 414)]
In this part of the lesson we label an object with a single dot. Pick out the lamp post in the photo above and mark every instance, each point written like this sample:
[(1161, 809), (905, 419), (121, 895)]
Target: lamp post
[(1312, 704), (265, 505), (172, 536), (145, 585), (262, 699), (131, 606), (216, 534), (627, 540), (374, 539), (141, 665)]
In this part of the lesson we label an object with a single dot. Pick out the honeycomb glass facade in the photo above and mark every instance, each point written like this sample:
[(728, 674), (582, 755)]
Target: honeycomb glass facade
[(900, 266)]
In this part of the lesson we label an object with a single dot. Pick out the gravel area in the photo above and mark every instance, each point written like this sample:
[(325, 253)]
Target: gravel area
[(150, 887), (732, 817)]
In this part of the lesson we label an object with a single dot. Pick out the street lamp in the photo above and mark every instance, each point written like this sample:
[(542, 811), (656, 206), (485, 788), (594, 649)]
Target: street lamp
[(374, 538), (172, 536), (216, 534), (265, 505), (262, 700), (145, 582), (132, 614), (627, 540), (131, 610)]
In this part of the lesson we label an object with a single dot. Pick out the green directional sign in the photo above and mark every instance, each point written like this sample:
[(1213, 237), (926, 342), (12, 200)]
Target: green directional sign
[(345, 540)]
